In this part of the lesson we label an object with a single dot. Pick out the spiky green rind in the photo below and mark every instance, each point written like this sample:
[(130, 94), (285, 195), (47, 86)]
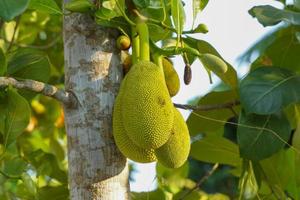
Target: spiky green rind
[(175, 152)]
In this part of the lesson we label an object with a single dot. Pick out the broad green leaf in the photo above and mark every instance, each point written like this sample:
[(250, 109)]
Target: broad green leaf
[(198, 6), (156, 194), (178, 16), (3, 63), (260, 136), (141, 3), (267, 90), (279, 171), (208, 121), (47, 6), (275, 55), (213, 63), (268, 15), (9, 9), (215, 149), (29, 64), (29, 183), (17, 116), (230, 77), (14, 167), (116, 22)]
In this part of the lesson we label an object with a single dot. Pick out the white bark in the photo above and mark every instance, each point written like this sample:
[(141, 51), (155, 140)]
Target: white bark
[(97, 170)]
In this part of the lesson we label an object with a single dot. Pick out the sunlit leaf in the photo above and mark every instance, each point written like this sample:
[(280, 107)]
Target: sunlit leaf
[(3, 63), (178, 16), (47, 6)]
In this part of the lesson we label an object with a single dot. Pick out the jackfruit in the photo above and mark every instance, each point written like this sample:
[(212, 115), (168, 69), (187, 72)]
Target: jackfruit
[(147, 109), (171, 77), (175, 152), (124, 144)]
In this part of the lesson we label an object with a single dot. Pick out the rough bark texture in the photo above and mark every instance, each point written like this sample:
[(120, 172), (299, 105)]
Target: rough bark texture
[(97, 170)]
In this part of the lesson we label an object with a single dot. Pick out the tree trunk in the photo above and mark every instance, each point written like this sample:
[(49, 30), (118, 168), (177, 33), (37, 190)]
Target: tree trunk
[(97, 170)]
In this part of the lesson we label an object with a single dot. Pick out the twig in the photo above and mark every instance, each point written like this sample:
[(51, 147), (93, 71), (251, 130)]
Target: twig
[(14, 34), (208, 107), (42, 47), (201, 181), (67, 98)]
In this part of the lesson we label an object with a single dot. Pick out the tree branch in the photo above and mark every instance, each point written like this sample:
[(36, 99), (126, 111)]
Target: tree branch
[(207, 107), (201, 181), (67, 98)]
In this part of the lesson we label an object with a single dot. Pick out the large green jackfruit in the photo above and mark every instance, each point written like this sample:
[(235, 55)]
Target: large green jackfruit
[(147, 109), (175, 152), (125, 145), (171, 77)]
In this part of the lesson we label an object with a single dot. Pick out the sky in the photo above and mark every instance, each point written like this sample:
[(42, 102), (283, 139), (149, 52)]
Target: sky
[(231, 31)]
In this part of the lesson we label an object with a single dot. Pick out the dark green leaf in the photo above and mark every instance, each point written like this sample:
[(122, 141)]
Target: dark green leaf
[(14, 167), (29, 64), (261, 136), (17, 116), (141, 3), (156, 194), (49, 192), (269, 15), (204, 121), (12, 8), (178, 16), (216, 149), (3, 63), (47, 6), (267, 90)]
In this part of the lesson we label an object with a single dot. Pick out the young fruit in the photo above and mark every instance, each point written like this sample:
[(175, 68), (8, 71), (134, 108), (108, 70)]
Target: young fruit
[(171, 77), (123, 42)]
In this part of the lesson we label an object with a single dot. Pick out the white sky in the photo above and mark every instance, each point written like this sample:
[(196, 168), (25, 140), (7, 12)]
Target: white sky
[(231, 31)]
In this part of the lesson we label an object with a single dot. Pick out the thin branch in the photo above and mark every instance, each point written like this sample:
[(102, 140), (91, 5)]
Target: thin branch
[(207, 107), (67, 98), (42, 47), (14, 34), (201, 181)]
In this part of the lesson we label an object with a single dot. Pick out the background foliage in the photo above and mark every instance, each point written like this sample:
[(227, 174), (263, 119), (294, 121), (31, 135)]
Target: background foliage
[(248, 151)]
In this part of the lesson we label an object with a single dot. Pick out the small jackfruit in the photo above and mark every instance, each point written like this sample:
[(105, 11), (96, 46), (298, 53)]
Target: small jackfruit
[(171, 77), (175, 152), (125, 145), (147, 109)]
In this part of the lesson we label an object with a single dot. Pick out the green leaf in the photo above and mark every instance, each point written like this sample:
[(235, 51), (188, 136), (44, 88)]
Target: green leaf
[(216, 149), (9, 9), (198, 6), (269, 15), (3, 63), (17, 116), (14, 167), (213, 120), (267, 90), (48, 192), (29, 184), (29, 64), (230, 77), (141, 3), (260, 136), (79, 5), (156, 194), (213, 63), (47, 6), (178, 16)]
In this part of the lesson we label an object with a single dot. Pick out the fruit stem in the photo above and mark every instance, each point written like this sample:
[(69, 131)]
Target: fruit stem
[(135, 45), (142, 30)]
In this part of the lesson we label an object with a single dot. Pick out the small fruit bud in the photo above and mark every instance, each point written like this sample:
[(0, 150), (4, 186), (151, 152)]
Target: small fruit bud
[(187, 74), (123, 42), (79, 6)]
